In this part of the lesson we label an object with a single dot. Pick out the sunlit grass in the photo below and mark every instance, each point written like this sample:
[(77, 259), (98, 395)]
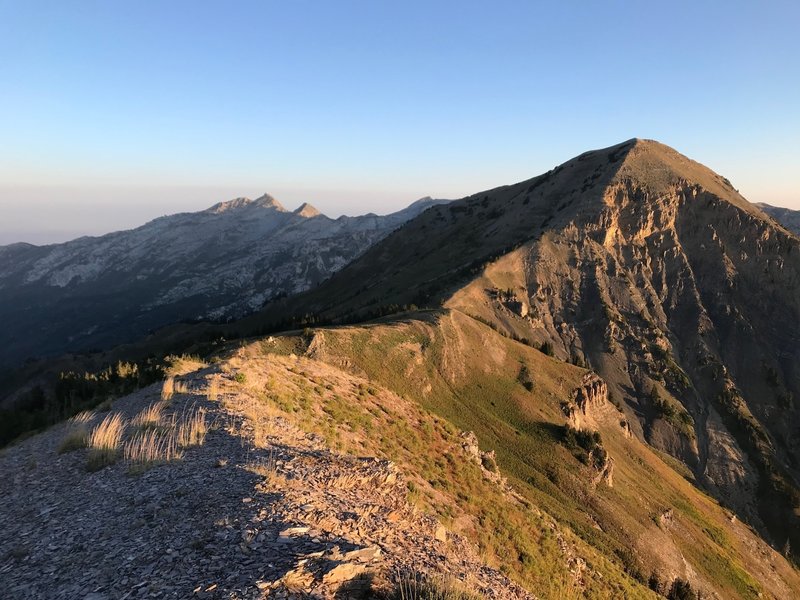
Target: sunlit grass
[(77, 435), (418, 587), (151, 447), (104, 442), (212, 392), (150, 417), (192, 428)]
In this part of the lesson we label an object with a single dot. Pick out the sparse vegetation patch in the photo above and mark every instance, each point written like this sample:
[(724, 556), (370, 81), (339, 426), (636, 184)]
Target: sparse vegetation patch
[(104, 442)]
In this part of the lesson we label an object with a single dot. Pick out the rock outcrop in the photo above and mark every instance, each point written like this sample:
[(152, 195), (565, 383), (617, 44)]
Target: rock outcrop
[(593, 392), (487, 461), (587, 402)]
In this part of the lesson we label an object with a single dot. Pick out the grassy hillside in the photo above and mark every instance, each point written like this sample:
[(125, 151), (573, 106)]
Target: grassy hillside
[(650, 527)]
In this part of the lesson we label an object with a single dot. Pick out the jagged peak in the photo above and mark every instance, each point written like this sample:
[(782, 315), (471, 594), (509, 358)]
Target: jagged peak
[(264, 201), (267, 201), (306, 210)]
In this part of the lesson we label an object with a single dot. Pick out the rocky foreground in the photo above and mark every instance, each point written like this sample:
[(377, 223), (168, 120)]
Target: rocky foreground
[(254, 507)]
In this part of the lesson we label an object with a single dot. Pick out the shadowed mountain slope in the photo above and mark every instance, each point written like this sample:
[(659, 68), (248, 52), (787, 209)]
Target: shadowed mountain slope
[(785, 216)]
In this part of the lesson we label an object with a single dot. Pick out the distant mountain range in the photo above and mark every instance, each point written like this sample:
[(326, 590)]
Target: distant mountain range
[(221, 263), (785, 216)]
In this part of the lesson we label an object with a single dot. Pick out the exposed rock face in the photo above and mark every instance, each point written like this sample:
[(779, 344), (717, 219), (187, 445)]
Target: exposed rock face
[(592, 392), (667, 278), (219, 263), (588, 404), (485, 460), (652, 270), (606, 472)]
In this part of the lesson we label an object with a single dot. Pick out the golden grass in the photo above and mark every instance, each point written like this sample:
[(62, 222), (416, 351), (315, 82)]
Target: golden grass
[(173, 386), (212, 392), (84, 417), (168, 389), (150, 417), (77, 435), (192, 428), (104, 442), (437, 587), (265, 466), (262, 426), (183, 364), (151, 447)]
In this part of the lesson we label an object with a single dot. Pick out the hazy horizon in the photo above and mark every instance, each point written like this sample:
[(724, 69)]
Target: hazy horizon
[(116, 114), (88, 212)]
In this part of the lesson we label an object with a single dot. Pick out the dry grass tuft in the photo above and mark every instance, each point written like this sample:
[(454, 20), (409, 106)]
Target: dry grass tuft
[(151, 447), (76, 438), (262, 429), (84, 417), (168, 389), (258, 414), (173, 386), (439, 587), (212, 392), (104, 442), (77, 435), (192, 428), (183, 364), (265, 466), (150, 417)]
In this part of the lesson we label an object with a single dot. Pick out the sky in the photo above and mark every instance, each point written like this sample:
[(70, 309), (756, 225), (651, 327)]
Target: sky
[(114, 113)]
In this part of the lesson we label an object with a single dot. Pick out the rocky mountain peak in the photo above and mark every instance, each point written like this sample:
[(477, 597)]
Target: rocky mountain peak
[(306, 210), (251, 250), (659, 169), (221, 207), (267, 201), (264, 201)]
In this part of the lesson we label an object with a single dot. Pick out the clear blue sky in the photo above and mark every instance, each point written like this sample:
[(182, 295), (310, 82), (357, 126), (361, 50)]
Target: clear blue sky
[(114, 112)]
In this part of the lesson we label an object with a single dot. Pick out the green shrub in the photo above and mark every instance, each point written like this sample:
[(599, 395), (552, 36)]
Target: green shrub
[(681, 590), (524, 377)]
